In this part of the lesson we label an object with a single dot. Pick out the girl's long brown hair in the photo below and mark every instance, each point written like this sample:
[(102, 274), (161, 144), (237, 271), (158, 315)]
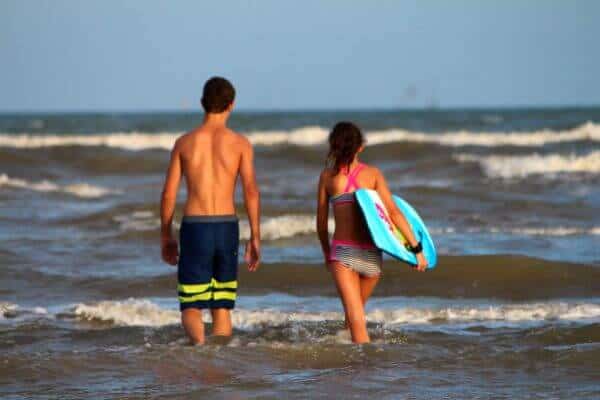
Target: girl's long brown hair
[(345, 140)]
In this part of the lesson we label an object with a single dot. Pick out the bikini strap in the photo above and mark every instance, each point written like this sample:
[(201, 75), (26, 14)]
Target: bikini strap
[(352, 177)]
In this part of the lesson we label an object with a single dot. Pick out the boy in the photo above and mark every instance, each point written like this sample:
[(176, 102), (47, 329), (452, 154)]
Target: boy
[(210, 158)]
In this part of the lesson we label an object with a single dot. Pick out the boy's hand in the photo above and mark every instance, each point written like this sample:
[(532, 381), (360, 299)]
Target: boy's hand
[(169, 251), (252, 255), (421, 262)]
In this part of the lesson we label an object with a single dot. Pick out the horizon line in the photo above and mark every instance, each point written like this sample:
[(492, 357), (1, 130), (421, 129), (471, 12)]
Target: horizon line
[(305, 110)]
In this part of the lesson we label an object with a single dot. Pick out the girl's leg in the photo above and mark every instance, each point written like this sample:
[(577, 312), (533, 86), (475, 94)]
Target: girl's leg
[(348, 285), (367, 284)]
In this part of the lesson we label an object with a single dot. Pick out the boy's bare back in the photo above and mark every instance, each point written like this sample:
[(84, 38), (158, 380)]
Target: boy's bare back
[(210, 159)]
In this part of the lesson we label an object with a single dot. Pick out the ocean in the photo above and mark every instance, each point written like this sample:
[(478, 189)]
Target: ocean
[(511, 197)]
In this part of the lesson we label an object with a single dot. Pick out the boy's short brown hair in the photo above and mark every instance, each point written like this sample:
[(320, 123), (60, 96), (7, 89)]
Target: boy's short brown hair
[(218, 95)]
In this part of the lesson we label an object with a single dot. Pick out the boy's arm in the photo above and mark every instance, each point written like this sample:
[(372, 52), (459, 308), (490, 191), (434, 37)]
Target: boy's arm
[(252, 203), (397, 217), (323, 217), (167, 208)]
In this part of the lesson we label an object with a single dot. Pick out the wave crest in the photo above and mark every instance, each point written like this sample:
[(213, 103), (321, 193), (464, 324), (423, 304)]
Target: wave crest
[(288, 226), (121, 140), (83, 190), (6, 309), (284, 227), (143, 312), (506, 167), (311, 136)]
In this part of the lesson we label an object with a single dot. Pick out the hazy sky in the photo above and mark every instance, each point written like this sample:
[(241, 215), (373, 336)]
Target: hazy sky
[(142, 54)]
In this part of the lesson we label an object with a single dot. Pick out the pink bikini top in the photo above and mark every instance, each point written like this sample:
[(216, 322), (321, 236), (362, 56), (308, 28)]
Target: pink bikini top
[(347, 196)]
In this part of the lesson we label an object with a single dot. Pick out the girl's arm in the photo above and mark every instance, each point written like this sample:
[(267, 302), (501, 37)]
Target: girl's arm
[(397, 217), (323, 215)]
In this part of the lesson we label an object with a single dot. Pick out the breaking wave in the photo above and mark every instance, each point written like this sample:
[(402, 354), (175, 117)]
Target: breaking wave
[(292, 225), (311, 136), (143, 312), (272, 228), (506, 167), (316, 135), (6, 309), (82, 190), (284, 226)]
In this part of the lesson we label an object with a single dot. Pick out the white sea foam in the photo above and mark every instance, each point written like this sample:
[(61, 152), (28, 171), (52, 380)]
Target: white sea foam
[(83, 190), (531, 312), (311, 136), (557, 231), (317, 135), (143, 312), (507, 167), (306, 136), (530, 231), (6, 308), (292, 225), (126, 141), (19, 314), (131, 312), (138, 221), (284, 226), (272, 228), (587, 131)]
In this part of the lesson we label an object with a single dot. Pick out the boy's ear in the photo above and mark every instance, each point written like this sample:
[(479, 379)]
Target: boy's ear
[(230, 107), (361, 148)]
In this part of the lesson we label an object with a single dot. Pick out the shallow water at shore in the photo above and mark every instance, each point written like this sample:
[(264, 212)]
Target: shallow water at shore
[(87, 309)]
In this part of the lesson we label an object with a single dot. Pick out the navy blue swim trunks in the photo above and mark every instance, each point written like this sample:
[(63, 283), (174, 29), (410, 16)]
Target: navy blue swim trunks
[(208, 261)]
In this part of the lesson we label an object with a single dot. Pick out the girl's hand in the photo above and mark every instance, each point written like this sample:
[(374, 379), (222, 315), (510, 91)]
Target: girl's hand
[(421, 262)]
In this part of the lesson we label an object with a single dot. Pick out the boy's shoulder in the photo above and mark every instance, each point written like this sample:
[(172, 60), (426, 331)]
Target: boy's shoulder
[(180, 141), (238, 137), (188, 136), (237, 143)]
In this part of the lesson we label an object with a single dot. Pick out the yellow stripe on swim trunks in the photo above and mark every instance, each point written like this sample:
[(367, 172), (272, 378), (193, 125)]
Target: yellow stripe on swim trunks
[(224, 295), (222, 290), (196, 297), (224, 285), (193, 289), (207, 291)]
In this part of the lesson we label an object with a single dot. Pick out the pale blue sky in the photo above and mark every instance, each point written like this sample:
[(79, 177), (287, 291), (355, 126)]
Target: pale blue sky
[(149, 55)]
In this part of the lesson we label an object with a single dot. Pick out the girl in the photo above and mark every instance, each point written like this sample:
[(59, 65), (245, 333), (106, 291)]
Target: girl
[(352, 258)]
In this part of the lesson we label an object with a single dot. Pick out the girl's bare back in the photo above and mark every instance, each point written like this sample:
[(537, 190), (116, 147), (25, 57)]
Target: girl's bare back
[(349, 220)]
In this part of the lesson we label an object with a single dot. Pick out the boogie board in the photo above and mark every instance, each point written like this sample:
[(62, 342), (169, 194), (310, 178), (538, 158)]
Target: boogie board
[(386, 236)]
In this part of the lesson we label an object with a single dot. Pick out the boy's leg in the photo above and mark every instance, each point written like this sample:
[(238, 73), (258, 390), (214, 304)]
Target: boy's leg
[(221, 318), (191, 319), (194, 275), (225, 276)]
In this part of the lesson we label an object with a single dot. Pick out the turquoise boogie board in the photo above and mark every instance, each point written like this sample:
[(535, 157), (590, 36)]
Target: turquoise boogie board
[(386, 236)]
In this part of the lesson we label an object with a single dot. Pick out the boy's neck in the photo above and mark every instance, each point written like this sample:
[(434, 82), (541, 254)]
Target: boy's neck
[(214, 119)]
